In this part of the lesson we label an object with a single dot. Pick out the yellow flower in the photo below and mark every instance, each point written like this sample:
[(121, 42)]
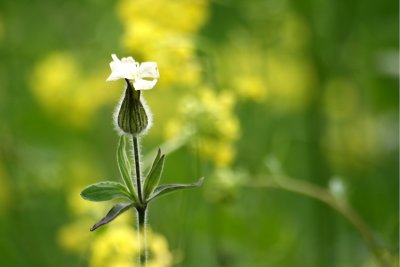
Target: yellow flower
[(75, 236), (241, 65), (291, 80), (167, 38), (192, 13), (118, 246), (209, 116), (221, 153), (67, 94)]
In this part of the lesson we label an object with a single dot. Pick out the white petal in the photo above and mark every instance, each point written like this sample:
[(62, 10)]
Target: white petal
[(116, 72), (128, 60), (148, 70), (144, 84), (113, 77), (114, 57)]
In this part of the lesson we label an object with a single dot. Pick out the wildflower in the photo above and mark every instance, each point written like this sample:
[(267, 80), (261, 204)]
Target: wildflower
[(128, 68), (133, 116)]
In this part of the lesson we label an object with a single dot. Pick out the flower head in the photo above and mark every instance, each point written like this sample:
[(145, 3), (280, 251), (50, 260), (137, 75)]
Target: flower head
[(128, 68)]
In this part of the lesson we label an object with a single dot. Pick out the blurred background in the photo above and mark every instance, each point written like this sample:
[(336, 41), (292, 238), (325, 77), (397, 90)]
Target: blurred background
[(288, 108)]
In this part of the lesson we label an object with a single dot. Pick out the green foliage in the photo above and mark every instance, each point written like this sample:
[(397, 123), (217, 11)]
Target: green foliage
[(55, 131), (169, 188), (112, 214), (105, 191), (125, 167), (154, 176)]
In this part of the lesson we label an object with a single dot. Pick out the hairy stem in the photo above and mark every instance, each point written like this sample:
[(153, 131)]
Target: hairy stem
[(137, 167), (142, 213), (142, 208)]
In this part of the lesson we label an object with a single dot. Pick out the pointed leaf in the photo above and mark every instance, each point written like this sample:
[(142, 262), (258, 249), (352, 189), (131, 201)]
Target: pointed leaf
[(153, 179), (168, 188), (155, 161), (105, 191), (125, 167), (112, 214)]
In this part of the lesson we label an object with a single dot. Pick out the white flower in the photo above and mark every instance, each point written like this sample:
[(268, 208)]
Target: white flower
[(128, 68)]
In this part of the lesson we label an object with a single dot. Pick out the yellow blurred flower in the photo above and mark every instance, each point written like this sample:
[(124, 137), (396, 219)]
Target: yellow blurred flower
[(222, 153), (352, 134), (241, 66), (209, 116), (276, 70), (225, 183), (291, 80), (65, 92), (115, 245), (192, 13), (167, 39), (75, 236), (251, 86), (118, 246)]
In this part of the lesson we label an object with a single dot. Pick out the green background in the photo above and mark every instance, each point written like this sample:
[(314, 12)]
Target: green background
[(245, 225)]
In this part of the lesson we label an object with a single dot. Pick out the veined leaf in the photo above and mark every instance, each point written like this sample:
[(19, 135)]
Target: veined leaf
[(112, 214), (155, 161), (105, 191), (168, 188), (153, 179), (125, 167)]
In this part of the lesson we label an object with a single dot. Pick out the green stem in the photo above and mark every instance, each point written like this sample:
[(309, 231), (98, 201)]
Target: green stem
[(142, 213), (142, 208), (323, 195), (137, 167)]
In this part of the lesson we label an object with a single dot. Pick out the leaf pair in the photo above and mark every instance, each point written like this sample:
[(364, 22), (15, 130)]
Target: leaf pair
[(109, 190), (154, 176), (151, 188), (105, 191)]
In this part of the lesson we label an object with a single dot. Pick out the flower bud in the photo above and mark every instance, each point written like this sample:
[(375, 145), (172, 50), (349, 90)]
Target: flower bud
[(133, 118)]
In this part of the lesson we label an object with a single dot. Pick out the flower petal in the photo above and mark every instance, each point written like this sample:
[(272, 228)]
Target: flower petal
[(148, 70), (115, 58), (144, 84), (113, 77), (126, 68)]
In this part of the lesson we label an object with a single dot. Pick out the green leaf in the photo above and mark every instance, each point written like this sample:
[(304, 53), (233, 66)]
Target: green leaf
[(125, 167), (168, 188), (155, 161), (105, 191), (112, 214), (153, 179)]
